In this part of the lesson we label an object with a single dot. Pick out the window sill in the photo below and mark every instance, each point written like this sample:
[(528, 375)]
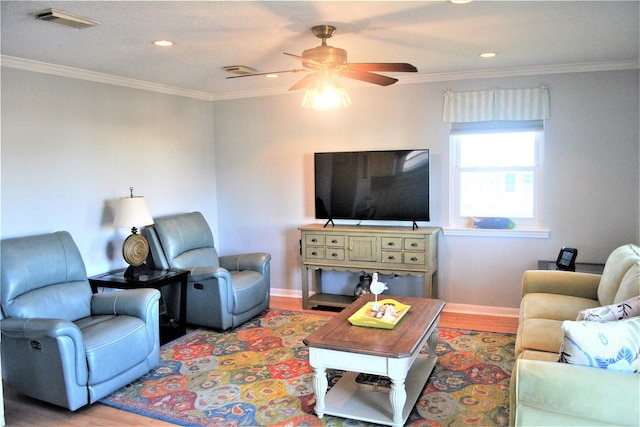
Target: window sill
[(477, 232)]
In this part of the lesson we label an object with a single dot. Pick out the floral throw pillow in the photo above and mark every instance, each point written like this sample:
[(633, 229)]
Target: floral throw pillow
[(608, 345), (607, 313)]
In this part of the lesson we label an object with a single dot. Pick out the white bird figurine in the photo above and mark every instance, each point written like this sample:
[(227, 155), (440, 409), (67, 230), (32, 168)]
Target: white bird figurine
[(376, 288)]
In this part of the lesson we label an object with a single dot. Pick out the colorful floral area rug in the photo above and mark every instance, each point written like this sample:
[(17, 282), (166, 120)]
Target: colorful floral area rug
[(259, 375)]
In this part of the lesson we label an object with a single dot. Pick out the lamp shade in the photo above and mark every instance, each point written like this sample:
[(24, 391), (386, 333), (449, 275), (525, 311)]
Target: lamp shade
[(326, 94), (132, 212)]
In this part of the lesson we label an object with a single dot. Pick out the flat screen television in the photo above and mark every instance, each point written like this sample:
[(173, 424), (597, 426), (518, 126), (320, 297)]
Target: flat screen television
[(372, 185)]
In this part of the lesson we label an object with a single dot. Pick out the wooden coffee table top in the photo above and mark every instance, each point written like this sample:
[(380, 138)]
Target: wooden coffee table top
[(401, 341)]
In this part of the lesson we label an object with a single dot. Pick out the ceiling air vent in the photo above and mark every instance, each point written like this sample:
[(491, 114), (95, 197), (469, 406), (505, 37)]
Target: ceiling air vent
[(239, 69), (64, 18)]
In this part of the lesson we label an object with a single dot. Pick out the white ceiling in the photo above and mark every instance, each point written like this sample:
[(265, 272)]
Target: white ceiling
[(439, 38)]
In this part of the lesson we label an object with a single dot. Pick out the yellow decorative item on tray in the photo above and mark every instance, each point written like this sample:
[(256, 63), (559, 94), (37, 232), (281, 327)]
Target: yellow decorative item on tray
[(386, 318)]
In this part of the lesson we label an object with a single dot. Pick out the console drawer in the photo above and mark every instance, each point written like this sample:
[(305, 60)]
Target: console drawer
[(314, 239), (333, 240), (394, 243), (334, 254), (413, 244), (392, 256), (314, 253), (414, 258)]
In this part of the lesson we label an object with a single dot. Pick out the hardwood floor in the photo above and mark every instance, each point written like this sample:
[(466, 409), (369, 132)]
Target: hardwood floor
[(22, 411), (447, 319)]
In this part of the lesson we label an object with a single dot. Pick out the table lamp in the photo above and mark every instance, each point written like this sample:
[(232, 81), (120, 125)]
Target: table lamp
[(133, 212)]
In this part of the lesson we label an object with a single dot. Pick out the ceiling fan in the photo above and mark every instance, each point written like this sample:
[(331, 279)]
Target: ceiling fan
[(323, 61)]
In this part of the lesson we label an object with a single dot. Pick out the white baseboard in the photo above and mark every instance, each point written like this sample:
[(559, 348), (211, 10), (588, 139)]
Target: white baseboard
[(449, 308), (289, 293), (481, 310)]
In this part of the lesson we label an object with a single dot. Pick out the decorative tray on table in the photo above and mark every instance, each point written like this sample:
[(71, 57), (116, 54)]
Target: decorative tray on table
[(392, 312)]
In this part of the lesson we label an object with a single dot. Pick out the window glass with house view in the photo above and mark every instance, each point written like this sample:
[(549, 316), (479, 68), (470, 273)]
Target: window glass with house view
[(496, 175)]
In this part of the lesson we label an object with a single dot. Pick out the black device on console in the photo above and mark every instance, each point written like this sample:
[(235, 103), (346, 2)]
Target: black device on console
[(567, 259)]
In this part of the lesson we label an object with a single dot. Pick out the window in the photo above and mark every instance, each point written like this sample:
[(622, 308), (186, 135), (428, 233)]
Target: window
[(496, 171)]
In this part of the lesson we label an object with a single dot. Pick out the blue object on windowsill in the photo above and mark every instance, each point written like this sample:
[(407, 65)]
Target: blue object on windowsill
[(492, 223)]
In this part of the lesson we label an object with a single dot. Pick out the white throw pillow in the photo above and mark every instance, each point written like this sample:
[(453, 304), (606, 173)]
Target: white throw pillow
[(622, 310), (609, 345)]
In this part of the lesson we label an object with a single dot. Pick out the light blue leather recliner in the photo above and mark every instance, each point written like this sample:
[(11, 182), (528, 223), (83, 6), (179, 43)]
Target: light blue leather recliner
[(223, 291), (60, 342)]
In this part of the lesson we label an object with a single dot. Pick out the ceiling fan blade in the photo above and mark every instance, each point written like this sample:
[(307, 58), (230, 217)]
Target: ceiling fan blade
[(398, 67), (264, 74), (305, 60), (304, 82), (365, 76)]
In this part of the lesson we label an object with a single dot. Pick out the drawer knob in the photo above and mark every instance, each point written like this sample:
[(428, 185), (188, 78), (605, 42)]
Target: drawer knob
[(391, 257), (391, 244), (334, 241), (414, 258), (334, 254), (314, 253), (414, 244), (314, 240)]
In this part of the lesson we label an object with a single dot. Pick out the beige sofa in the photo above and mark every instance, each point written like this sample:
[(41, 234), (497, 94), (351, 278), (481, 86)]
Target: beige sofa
[(546, 392)]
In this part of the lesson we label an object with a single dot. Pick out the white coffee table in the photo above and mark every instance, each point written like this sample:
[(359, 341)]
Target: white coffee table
[(394, 353)]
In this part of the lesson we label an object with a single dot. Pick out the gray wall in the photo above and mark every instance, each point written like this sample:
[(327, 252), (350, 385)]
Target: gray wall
[(591, 174), (70, 147)]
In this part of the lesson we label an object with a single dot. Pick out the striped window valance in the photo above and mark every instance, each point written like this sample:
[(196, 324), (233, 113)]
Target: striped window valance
[(496, 105)]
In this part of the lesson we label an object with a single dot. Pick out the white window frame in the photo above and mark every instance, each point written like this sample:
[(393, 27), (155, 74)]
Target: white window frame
[(459, 225)]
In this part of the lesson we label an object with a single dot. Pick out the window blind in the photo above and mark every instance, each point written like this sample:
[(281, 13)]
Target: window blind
[(460, 128)]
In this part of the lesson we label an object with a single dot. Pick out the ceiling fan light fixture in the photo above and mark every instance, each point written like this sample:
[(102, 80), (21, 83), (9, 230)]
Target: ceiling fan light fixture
[(326, 95)]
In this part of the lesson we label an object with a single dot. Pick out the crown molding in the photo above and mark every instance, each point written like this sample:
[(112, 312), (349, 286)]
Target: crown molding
[(522, 71), (76, 73)]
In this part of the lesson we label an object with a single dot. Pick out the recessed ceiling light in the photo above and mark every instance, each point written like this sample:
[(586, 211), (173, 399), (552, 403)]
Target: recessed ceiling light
[(163, 43), (460, 1), (271, 76), (488, 54)]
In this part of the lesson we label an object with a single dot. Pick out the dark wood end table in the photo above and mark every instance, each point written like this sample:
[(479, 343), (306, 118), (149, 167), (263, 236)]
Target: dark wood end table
[(156, 279)]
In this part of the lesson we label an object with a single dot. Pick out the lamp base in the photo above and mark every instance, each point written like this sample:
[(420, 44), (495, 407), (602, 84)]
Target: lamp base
[(135, 271)]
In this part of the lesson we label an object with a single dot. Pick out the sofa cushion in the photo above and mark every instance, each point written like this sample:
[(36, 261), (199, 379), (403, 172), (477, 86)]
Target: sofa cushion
[(44, 276), (185, 232), (553, 306), (249, 290), (630, 285), (608, 313), (544, 356), (616, 267), (608, 345), (540, 335), (113, 345)]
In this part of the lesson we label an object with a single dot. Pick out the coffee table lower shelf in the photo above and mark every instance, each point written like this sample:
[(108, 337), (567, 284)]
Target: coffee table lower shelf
[(346, 399)]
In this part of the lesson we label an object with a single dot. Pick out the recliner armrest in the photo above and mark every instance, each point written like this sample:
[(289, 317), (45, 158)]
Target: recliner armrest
[(200, 274), (583, 285), (256, 261), (132, 302), (41, 330)]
